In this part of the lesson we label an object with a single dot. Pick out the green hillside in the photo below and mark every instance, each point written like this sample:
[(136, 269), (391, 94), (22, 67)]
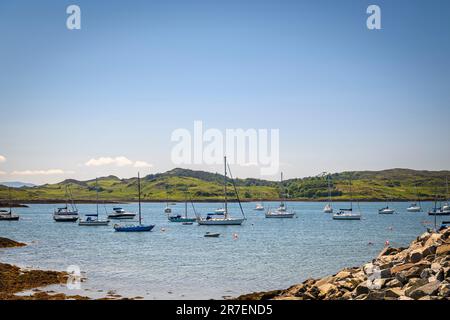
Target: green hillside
[(395, 184)]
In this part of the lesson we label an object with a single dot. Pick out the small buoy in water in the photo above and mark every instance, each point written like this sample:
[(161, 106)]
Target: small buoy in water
[(370, 243), (235, 236), (163, 229), (386, 243), (391, 228)]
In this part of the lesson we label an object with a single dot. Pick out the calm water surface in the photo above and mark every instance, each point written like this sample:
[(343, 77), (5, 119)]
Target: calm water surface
[(176, 262)]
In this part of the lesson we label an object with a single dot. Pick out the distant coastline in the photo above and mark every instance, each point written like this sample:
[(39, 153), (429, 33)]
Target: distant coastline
[(25, 203)]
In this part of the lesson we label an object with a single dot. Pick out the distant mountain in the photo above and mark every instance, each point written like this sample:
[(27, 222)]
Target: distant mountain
[(17, 184), (392, 184)]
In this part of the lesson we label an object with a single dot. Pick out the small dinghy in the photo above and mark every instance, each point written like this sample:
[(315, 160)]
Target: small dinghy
[(187, 223), (211, 235)]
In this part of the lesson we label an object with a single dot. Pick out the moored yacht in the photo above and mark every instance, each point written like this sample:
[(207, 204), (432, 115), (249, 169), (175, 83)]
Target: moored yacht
[(6, 215), (223, 218), (348, 214), (93, 219), (414, 207), (328, 207), (121, 214), (64, 214), (135, 227), (281, 211)]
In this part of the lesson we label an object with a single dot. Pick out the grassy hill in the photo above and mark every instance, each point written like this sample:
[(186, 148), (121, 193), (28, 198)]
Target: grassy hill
[(395, 184)]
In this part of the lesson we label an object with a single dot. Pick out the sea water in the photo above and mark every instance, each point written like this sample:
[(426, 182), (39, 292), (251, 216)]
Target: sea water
[(176, 261)]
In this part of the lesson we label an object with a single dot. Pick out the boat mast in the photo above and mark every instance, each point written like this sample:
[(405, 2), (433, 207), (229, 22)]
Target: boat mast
[(139, 191), (225, 187), (96, 188), (10, 200), (351, 195), (185, 204), (446, 184), (67, 198), (282, 190), (329, 190)]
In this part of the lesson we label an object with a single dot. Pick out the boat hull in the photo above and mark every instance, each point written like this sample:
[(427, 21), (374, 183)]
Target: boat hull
[(177, 219), (66, 219), (93, 223), (439, 213), (138, 228), (386, 211), (414, 209), (220, 222), (121, 216), (280, 216), (347, 217), (9, 218)]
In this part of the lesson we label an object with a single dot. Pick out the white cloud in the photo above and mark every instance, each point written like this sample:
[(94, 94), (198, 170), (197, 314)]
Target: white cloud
[(104, 161), (2, 158), (40, 172), (2, 173), (142, 164), (117, 161)]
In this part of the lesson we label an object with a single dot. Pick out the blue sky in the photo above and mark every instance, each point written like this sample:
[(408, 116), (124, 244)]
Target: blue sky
[(343, 97)]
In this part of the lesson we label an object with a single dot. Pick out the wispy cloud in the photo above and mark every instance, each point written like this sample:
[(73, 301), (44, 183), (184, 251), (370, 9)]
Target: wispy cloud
[(2, 158), (40, 172), (117, 161), (2, 173), (142, 164)]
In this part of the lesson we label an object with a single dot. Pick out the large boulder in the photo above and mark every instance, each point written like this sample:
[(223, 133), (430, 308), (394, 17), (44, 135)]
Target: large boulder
[(428, 289), (443, 249), (394, 293), (415, 256)]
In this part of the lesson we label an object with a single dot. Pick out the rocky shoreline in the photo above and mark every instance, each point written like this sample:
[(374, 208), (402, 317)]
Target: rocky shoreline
[(419, 272)]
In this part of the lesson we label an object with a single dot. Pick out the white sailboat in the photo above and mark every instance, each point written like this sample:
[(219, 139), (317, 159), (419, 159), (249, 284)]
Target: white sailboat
[(328, 207), (64, 214), (281, 211), (93, 219), (6, 215), (348, 214), (414, 207), (226, 219)]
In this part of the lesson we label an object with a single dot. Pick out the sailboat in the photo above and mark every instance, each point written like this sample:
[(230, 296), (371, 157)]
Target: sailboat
[(93, 219), (139, 227), (167, 209), (446, 206), (414, 207), (64, 214), (328, 207), (348, 214), (183, 219), (259, 206), (226, 219), (281, 212), (6, 215), (386, 210)]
